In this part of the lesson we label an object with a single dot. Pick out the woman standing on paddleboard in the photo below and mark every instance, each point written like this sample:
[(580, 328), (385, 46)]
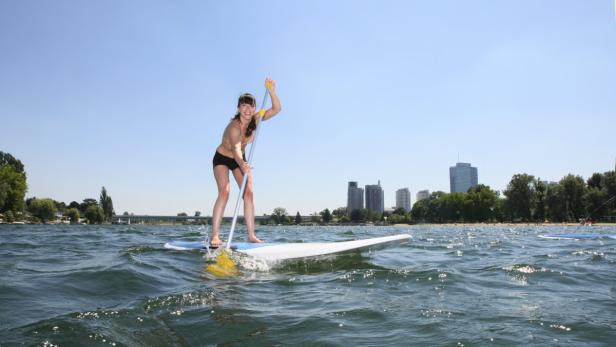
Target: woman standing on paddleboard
[(230, 157)]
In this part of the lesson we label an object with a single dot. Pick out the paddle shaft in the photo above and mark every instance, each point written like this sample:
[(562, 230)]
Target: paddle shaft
[(245, 178)]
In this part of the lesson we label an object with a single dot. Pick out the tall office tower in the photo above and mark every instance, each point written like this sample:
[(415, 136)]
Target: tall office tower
[(462, 177), (375, 198), (422, 194), (403, 199), (355, 197)]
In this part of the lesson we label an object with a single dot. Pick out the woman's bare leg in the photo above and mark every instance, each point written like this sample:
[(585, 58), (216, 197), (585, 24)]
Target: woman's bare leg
[(221, 173), (249, 205)]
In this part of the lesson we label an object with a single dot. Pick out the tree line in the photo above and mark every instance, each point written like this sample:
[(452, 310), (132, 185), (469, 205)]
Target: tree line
[(526, 199), (14, 206)]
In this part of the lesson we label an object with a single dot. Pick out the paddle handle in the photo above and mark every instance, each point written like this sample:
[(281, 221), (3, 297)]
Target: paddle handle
[(245, 178)]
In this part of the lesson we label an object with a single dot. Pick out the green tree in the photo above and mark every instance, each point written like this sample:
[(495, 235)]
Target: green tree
[(13, 189), (43, 209), (9, 217), (60, 206), (480, 204), (594, 202), (595, 181), (339, 212), (399, 211), (356, 215), (609, 186), (83, 207), (520, 195), (298, 218), (419, 211), (553, 203), (73, 204), (94, 214), (326, 216), (279, 215), (573, 189), (8, 159), (451, 207), (106, 203), (540, 190), (73, 214)]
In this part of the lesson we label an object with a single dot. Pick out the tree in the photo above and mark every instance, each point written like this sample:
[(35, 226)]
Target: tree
[(6, 159), (356, 216), (400, 211), (13, 189), (573, 188), (520, 195), (339, 212), (480, 204), (73, 214), (107, 204), (83, 207), (609, 186), (553, 203), (326, 216), (419, 210), (539, 210), (60, 206), (94, 214), (43, 209), (298, 218), (594, 202), (595, 181), (73, 204), (9, 217), (279, 215), (451, 207)]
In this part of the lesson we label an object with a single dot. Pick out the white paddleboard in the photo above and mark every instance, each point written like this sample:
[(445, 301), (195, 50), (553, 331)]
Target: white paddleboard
[(284, 251)]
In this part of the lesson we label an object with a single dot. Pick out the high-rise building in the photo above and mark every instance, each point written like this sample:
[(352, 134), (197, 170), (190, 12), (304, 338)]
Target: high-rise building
[(462, 177), (422, 194), (403, 199), (375, 198), (355, 197)]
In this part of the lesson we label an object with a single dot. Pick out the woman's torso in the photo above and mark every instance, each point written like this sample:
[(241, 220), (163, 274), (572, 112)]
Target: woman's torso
[(226, 147)]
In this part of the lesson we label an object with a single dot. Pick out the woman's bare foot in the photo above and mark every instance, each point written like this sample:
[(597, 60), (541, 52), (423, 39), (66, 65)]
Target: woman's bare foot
[(254, 239), (215, 242)]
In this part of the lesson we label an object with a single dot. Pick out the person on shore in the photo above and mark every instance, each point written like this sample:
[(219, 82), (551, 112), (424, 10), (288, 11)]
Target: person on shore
[(230, 156)]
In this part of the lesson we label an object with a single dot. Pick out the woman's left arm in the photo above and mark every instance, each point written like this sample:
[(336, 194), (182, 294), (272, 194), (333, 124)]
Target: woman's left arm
[(271, 87)]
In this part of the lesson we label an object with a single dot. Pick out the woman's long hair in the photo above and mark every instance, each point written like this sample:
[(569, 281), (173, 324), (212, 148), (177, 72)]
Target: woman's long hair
[(247, 98)]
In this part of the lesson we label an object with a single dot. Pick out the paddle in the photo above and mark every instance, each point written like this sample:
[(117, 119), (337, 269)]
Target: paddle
[(224, 265)]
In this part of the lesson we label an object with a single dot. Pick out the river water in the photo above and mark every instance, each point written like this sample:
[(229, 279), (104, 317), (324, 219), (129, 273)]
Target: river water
[(449, 286)]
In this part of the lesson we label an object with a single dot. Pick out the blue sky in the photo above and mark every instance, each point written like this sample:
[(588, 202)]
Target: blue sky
[(134, 95)]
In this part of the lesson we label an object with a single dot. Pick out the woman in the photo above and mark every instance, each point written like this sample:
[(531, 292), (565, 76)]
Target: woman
[(230, 157)]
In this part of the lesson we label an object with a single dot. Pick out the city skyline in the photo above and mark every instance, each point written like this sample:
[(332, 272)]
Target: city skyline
[(134, 96)]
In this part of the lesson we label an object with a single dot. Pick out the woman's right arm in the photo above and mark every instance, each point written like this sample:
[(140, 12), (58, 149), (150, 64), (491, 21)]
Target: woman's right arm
[(276, 107)]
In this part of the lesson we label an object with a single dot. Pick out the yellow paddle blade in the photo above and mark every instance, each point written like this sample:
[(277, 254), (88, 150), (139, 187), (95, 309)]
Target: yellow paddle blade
[(224, 265)]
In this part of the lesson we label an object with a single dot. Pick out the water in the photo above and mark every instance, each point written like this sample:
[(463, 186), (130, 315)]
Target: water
[(451, 285)]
